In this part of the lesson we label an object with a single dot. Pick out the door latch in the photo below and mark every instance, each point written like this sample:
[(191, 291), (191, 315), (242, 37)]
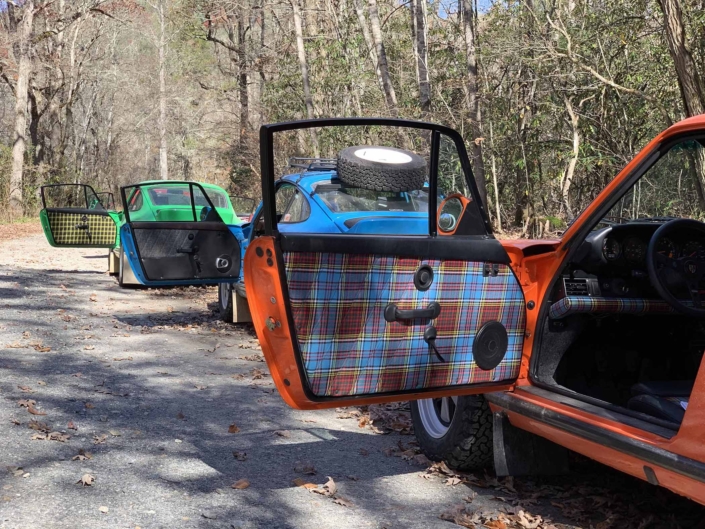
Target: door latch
[(429, 336)]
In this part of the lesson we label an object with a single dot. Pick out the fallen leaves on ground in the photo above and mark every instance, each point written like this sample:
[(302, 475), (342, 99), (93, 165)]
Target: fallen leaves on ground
[(283, 433), (39, 426), (51, 436), (240, 456), (240, 484), (233, 428), (305, 467), (26, 403), (89, 405), (329, 488), (26, 389), (252, 358), (99, 439), (301, 482), (181, 416), (86, 480), (341, 500), (381, 418), (15, 471), (71, 426), (34, 411), (103, 509), (82, 456), (40, 348)]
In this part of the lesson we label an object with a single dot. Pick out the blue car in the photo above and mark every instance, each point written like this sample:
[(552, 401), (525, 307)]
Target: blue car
[(315, 200)]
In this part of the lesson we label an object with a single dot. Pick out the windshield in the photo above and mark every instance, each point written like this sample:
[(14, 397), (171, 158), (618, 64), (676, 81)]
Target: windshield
[(181, 196), (343, 199), (671, 188)]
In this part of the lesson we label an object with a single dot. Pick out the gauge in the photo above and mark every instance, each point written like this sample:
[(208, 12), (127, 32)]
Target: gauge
[(692, 249), (666, 247), (634, 250), (611, 249)]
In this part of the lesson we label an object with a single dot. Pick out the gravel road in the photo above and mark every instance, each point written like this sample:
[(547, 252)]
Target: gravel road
[(145, 395)]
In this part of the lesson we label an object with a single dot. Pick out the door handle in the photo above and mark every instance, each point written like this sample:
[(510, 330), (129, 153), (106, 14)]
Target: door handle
[(392, 313), (190, 249), (81, 226)]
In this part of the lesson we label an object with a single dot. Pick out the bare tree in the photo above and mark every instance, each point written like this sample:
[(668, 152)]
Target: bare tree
[(389, 93), (469, 32), (686, 68), (419, 40), (161, 43), (303, 64), (22, 22)]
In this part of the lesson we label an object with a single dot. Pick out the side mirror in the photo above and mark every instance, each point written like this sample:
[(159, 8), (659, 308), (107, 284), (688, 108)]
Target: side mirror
[(450, 214)]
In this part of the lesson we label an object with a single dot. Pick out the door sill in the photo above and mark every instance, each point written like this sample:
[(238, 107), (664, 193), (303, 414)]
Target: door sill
[(645, 452), (606, 411)]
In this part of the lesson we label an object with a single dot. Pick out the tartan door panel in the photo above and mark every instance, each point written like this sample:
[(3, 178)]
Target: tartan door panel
[(349, 349), (78, 228)]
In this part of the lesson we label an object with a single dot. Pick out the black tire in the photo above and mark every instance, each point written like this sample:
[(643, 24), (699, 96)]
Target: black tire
[(225, 301), (467, 444), (406, 174)]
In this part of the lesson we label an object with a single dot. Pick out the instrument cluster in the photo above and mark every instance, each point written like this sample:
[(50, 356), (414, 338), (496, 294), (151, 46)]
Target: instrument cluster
[(633, 249)]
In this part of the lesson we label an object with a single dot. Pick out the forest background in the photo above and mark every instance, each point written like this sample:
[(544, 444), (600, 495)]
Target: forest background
[(553, 97)]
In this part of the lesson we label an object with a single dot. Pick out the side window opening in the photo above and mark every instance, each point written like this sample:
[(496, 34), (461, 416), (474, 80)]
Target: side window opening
[(136, 201)]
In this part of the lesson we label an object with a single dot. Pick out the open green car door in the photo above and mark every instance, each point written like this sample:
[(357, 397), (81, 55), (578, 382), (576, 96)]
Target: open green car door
[(73, 216)]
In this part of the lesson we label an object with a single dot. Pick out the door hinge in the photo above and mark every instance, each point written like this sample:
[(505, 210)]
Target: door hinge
[(490, 269)]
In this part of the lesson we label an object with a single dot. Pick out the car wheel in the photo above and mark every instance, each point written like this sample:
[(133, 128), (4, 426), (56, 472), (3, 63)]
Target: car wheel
[(381, 168), (225, 302), (457, 430)]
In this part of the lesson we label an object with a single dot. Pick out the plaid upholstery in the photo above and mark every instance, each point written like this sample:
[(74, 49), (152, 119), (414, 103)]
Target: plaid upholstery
[(347, 346), (63, 228), (581, 304)]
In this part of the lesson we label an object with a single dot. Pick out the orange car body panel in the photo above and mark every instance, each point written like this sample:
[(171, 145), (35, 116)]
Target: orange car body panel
[(535, 274)]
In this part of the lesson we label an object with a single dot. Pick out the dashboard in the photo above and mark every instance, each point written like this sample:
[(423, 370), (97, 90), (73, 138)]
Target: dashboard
[(613, 260), (625, 246)]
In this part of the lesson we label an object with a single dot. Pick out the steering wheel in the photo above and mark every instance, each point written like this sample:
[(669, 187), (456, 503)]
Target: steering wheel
[(667, 273)]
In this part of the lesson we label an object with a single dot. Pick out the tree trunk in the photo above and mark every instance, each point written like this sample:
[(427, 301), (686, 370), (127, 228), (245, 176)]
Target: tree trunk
[(418, 8), (686, 69), (688, 78), (308, 100), (368, 41), (238, 57), (389, 94), (570, 170), (473, 96), (163, 149), (24, 70)]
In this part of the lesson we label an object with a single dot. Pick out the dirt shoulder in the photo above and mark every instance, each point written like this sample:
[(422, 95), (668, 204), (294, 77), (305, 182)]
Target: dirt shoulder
[(18, 230)]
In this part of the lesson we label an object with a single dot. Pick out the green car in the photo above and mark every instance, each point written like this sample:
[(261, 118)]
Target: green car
[(75, 216)]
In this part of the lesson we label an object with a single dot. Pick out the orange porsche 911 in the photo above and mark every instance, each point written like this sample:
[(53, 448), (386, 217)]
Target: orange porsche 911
[(511, 351)]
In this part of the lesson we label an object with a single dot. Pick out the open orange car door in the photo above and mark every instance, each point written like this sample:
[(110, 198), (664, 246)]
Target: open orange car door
[(348, 318)]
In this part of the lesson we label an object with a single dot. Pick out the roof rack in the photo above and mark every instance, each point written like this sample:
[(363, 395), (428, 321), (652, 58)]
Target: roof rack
[(314, 164)]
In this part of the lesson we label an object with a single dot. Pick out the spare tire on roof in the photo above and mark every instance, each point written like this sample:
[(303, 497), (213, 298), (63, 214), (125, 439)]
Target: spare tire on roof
[(381, 168)]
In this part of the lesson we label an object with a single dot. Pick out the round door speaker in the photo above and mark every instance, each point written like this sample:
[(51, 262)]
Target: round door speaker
[(490, 345)]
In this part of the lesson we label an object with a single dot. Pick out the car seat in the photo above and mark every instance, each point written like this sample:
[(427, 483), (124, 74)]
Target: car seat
[(662, 399)]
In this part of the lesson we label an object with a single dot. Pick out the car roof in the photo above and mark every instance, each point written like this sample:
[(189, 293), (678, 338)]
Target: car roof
[(306, 180), (203, 184)]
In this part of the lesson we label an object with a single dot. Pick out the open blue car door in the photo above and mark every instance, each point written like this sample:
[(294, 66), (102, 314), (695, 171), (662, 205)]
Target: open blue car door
[(177, 242)]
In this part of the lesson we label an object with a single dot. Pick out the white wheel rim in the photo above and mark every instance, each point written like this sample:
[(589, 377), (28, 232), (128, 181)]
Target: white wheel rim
[(437, 414), (224, 295), (382, 155)]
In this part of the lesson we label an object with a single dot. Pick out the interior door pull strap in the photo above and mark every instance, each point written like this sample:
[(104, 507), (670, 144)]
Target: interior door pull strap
[(392, 313)]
